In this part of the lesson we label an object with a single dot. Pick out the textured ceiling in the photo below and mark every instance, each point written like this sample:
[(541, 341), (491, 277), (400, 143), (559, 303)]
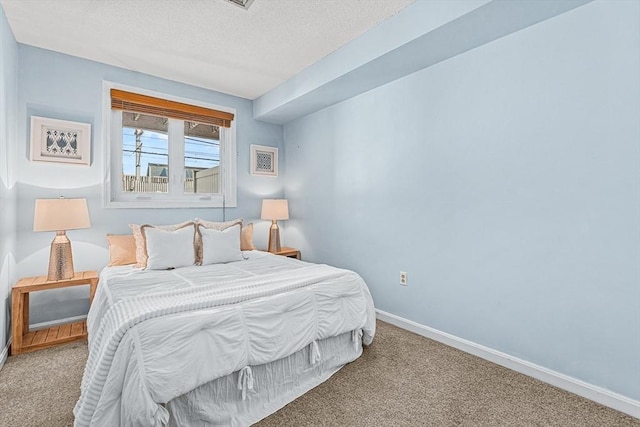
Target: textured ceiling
[(208, 43)]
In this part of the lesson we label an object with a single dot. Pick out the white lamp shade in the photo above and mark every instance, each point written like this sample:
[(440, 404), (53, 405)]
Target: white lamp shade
[(275, 209), (60, 214)]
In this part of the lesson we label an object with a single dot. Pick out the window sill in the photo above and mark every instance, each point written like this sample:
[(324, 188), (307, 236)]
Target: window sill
[(150, 202)]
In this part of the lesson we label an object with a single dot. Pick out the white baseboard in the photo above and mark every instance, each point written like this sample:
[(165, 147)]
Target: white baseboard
[(5, 353), (597, 394)]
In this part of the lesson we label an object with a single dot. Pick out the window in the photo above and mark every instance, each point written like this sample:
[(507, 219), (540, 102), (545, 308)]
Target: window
[(166, 152)]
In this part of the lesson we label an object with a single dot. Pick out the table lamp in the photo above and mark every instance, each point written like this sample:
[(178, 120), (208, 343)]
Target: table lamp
[(60, 215), (274, 209)]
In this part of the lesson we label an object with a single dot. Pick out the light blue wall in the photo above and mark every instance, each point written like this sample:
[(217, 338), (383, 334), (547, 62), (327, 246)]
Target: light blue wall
[(8, 114), (506, 182), (64, 87)]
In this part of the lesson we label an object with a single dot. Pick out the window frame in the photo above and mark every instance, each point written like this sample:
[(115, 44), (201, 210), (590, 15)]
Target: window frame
[(114, 197)]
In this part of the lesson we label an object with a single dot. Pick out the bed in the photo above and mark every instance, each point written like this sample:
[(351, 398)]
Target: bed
[(221, 344)]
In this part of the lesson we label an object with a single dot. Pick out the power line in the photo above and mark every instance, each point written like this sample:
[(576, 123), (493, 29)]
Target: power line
[(203, 142), (148, 152), (166, 137), (192, 139)]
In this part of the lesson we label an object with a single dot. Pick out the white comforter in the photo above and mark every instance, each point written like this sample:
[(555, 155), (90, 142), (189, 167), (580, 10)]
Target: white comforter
[(155, 335)]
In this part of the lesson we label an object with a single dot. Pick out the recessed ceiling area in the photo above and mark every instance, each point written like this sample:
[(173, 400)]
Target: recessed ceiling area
[(212, 44)]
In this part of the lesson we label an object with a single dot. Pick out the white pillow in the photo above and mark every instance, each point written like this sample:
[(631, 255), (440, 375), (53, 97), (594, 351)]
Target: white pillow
[(220, 246), (170, 249)]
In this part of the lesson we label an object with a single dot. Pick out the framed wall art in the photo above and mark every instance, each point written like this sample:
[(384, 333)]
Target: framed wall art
[(264, 160), (60, 141)]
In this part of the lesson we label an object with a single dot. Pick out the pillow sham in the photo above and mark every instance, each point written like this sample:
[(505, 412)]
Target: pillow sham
[(220, 246), (211, 225), (217, 225), (141, 246), (122, 249), (246, 237), (169, 249)]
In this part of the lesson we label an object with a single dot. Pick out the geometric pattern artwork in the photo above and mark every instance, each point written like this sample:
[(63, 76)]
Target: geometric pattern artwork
[(60, 141), (264, 160)]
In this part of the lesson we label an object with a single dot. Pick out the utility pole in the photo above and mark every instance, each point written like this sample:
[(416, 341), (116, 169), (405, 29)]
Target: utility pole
[(138, 133)]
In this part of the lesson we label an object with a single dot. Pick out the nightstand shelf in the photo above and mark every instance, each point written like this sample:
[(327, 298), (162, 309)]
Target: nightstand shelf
[(43, 338), (25, 340)]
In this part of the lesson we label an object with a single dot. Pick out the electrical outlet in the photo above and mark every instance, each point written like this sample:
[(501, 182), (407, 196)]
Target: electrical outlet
[(403, 278)]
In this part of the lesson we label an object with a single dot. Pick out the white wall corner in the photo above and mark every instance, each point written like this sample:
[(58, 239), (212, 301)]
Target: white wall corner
[(5, 354), (573, 385)]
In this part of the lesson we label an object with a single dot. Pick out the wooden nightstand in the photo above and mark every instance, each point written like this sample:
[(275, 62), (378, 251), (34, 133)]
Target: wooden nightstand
[(23, 340), (288, 252)]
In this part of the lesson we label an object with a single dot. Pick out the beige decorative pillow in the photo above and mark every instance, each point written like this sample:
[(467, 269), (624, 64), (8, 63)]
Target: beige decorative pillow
[(122, 249), (246, 238), (141, 244), (212, 225), (216, 225)]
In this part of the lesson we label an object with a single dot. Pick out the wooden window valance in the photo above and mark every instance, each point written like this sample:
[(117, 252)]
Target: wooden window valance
[(136, 103)]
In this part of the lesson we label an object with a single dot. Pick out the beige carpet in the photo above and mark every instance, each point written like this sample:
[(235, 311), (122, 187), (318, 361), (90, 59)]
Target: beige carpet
[(401, 380), (41, 388)]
